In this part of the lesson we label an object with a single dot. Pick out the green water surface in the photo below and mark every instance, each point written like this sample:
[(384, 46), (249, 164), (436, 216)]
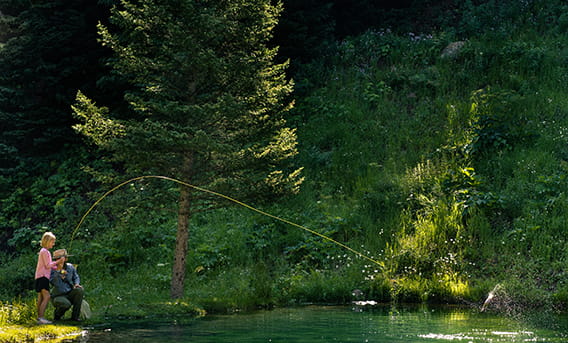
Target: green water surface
[(337, 324)]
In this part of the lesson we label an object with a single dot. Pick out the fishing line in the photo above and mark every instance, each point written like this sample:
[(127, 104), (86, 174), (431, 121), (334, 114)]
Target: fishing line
[(227, 198)]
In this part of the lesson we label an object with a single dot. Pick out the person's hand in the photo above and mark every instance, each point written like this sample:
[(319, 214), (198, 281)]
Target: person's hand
[(78, 286)]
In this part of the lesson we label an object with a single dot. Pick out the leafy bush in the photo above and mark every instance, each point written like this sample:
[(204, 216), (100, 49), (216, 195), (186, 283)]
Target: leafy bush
[(18, 276)]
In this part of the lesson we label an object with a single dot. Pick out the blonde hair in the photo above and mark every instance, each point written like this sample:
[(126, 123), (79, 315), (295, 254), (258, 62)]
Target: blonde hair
[(46, 238)]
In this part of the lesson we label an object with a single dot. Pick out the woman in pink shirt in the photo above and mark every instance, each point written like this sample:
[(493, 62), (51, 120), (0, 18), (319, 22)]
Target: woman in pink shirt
[(42, 274)]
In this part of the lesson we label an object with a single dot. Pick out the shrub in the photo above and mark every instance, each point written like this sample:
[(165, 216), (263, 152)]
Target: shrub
[(17, 276)]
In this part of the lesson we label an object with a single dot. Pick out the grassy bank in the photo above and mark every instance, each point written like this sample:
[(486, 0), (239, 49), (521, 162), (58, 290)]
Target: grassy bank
[(17, 324)]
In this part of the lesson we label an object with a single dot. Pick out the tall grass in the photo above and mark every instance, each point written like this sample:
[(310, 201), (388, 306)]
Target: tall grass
[(17, 312)]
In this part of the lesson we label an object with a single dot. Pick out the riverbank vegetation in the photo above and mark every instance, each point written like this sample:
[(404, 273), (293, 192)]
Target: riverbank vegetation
[(15, 325), (437, 148)]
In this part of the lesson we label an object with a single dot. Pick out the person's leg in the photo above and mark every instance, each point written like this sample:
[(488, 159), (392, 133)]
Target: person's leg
[(39, 300), (61, 304), (76, 298), (43, 300)]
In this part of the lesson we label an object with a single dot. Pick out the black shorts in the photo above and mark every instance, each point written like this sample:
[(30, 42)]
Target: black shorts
[(41, 283)]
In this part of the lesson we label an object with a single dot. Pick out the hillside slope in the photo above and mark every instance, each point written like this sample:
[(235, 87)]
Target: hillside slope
[(447, 158)]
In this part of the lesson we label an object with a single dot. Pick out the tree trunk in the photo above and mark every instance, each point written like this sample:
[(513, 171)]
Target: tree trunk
[(182, 237)]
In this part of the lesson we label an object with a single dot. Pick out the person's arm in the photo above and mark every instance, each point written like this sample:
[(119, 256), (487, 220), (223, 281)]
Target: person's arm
[(45, 258), (75, 277)]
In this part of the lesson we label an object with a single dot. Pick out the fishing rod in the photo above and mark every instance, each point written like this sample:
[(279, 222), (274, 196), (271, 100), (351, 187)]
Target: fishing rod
[(358, 253)]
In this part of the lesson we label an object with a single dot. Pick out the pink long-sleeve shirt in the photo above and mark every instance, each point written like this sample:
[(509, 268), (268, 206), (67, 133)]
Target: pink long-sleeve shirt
[(44, 264)]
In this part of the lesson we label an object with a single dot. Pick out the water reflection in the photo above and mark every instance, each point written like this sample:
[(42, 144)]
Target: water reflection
[(379, 324)]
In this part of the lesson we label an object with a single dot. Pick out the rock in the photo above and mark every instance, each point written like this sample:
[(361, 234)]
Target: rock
[(452, 50), (357, 293)]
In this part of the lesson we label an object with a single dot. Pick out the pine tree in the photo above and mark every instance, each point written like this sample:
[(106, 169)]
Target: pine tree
[(207, 103), (48, 49)]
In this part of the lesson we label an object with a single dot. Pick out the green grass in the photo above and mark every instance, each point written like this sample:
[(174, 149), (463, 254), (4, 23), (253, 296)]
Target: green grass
[(18, 324), (137, 293), (43, 333)]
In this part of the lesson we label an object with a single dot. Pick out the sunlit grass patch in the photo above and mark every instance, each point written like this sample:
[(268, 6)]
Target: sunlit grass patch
[(446, 289), (455, 286), (36, 333), (18, 312), (15, 325)]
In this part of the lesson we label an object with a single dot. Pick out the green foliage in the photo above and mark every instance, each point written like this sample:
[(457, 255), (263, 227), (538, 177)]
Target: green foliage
[(234, 289), (220, 112), (109, 297), (41, 61), (505, 17), (47, 50), (18, 280), (448, 169), (50, 202), (315, 286), (495, 121), (206, 103), (458, 190), (15, 319), (17, 312), (120, 250)]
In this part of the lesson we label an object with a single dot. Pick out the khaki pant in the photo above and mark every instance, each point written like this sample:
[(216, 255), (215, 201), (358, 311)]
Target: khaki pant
[(64, 302)]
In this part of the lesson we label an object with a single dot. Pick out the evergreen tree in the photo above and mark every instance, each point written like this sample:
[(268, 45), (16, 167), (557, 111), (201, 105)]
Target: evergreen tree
[(207, 103), (48, 50)]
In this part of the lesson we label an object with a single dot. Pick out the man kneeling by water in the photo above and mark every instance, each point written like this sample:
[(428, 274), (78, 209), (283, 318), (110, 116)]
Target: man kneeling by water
[(67, 290)]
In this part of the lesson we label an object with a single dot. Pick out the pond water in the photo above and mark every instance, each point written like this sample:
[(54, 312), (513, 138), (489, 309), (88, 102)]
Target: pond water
[(336, 324)]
